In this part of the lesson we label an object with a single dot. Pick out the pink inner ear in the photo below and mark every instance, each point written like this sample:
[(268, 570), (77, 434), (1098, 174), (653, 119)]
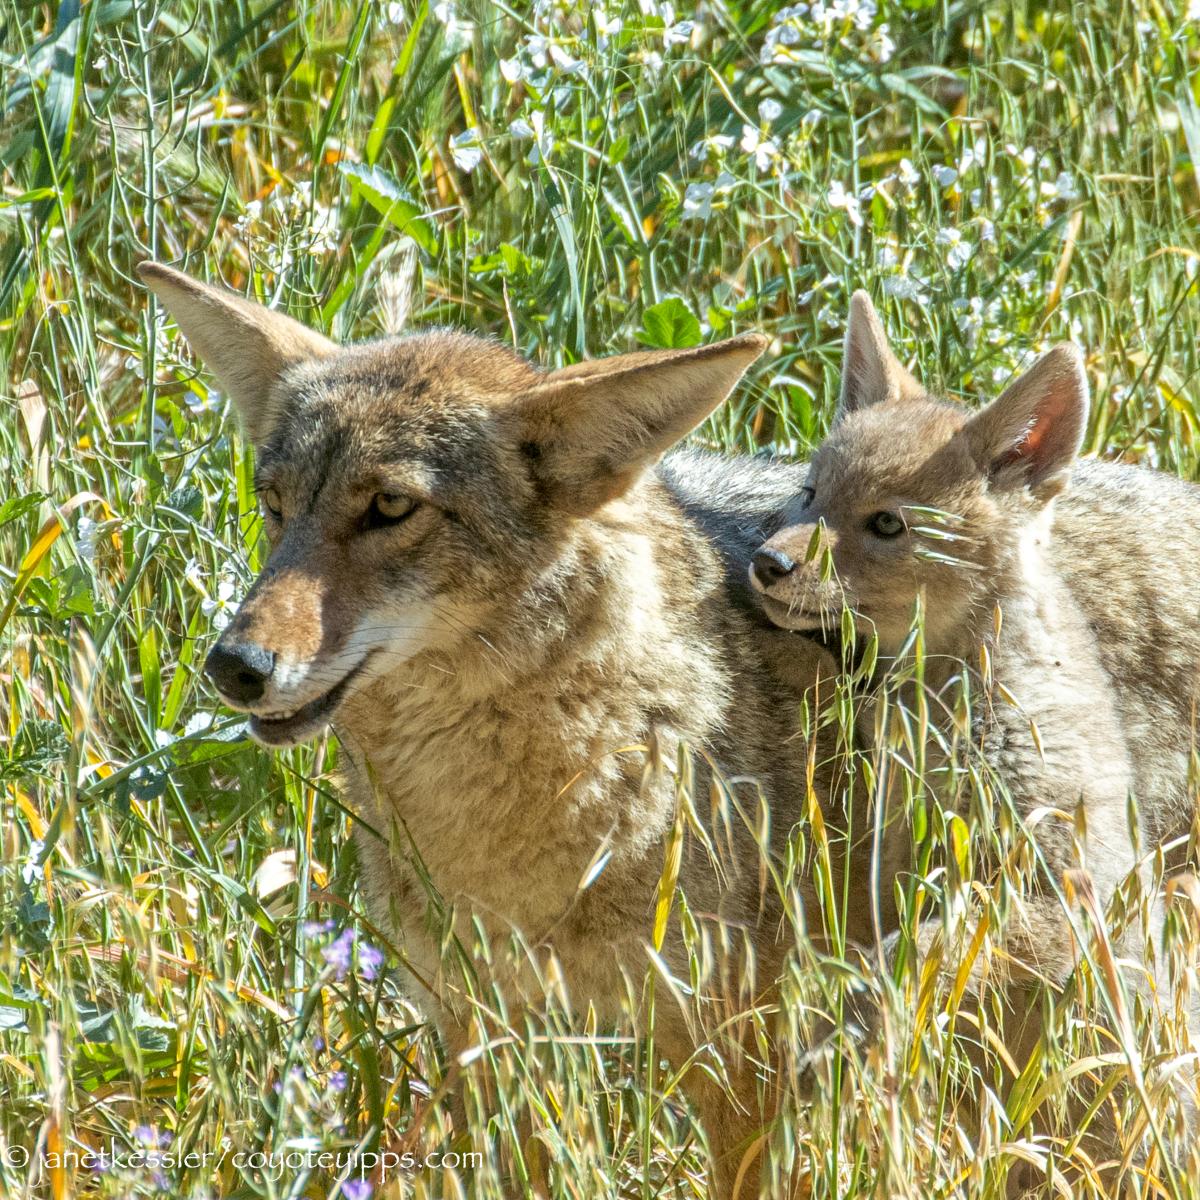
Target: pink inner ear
[(1036, 436), (1025, 446)]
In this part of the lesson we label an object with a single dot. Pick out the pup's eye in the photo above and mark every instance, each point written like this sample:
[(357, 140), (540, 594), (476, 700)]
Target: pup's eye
[(885, 525), (273, 503), (807, 496), (388, 508)]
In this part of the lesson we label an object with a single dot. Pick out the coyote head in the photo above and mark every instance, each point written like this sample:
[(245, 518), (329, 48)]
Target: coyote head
[(414, 488), (909, 498)]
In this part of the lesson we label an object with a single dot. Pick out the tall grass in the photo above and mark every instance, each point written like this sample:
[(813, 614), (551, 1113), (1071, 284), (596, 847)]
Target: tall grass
[(173, 900)]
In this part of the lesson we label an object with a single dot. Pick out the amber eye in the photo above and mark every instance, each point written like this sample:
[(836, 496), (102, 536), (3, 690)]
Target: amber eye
[(273, 503), (388, 508), (885, 525)]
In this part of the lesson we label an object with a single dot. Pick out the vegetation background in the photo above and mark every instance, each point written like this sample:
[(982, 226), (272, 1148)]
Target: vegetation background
[(183, 962)]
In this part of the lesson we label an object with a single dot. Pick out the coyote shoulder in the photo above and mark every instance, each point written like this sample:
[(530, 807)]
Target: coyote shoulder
[(513, 619)]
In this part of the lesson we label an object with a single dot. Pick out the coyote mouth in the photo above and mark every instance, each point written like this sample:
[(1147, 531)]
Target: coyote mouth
[(287, 729), (797, 620), (812, 626)]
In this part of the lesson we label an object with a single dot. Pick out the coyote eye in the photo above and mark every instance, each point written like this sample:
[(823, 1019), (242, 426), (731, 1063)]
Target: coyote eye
[(273, 503), (807, 496), (388, 508), (885, 525)]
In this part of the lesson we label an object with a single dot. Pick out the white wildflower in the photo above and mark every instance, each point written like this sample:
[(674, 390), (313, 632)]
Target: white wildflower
[(567, 63), (838, 197), (220, 609), (764, 149), (606, 26), (679, 34), (945, 176), (537, 51), (1063, 188), (715, 143), (698, 198), (768, 111), (466, 150), (885, 47), (958, 249), (31, 868), (85, 539)]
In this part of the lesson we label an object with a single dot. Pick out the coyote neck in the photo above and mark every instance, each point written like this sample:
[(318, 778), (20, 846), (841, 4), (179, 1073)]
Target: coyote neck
[(1021, 581), (523, 754)]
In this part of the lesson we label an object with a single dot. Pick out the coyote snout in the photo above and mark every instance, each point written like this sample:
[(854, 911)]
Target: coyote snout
[(294, 651), (793, 574)]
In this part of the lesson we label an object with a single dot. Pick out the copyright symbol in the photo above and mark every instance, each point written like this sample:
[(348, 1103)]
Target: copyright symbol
[(15, 1156)]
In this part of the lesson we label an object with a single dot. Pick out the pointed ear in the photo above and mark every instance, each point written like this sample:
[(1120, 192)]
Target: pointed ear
[(591, 429), (1031, 433), (871, 373), (246, 346)]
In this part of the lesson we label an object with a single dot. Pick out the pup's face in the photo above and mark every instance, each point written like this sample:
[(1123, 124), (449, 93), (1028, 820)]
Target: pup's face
[(914, 500), (414, 490), (895, 509)]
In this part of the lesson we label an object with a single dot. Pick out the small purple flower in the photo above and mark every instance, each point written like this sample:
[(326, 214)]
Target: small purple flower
[(145, 1134), (161, 1181), (318, 1043), (337, 1080), (164, 1140), (370, 959), (357, 1189), (314, 929), (339, 953)]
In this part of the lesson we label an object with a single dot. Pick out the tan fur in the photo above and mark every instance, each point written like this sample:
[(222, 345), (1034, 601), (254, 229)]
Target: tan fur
[(522, 658), (1098, 642)]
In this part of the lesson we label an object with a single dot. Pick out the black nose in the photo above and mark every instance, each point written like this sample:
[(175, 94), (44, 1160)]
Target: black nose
[(240, 670), (770, 566)]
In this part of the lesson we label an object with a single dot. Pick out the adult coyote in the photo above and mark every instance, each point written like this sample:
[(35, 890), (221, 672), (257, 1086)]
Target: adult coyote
[(513, 615)]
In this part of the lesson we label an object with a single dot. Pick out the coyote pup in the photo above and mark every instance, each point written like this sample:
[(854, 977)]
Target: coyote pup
[(1090, 567), (513, 618)]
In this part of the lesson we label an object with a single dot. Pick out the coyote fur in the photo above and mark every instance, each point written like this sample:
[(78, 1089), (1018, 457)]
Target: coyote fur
[(1071, 582), (513, 615)]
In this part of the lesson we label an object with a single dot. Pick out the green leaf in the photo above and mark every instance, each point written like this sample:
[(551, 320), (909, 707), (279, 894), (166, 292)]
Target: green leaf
[(392, 202), (18, 506), (669, 325)]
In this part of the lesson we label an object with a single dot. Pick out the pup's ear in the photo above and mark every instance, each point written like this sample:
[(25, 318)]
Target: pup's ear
[(1031, 433), (246, 346), (871, 373), (592, 428)]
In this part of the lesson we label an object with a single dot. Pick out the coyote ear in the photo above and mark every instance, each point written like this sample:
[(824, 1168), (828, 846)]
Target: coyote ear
[(592, 428), (1031, 433), (871, 373), (246, 346)]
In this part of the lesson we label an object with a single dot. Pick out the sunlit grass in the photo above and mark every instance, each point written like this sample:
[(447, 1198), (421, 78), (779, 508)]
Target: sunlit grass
[(173, 899)]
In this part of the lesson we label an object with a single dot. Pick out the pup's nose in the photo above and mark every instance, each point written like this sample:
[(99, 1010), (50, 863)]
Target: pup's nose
[(770, 565), (240, 670)]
